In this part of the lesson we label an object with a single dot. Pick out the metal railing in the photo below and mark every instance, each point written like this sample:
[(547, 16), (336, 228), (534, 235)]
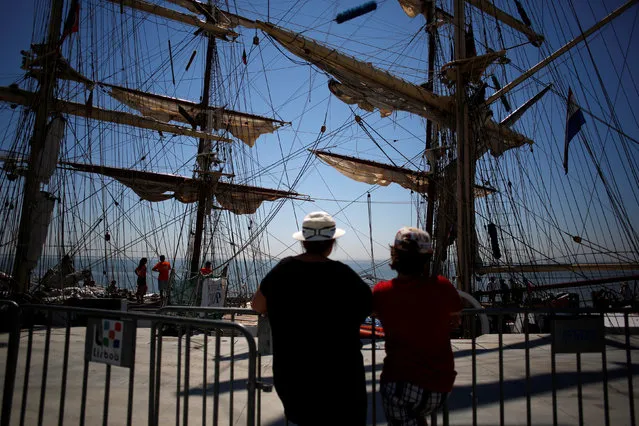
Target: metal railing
[(545, 366), (77, 370), (569, 366)]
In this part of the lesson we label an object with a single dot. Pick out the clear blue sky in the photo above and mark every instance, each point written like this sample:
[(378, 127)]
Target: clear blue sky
[(388, 38)]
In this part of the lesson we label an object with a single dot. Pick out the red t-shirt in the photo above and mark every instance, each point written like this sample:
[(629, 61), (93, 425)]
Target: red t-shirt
[(141, 271), (206, 271), (163, 268), (415, 314)]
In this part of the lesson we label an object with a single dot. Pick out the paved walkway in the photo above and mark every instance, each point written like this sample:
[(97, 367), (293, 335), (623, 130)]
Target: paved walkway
[(488, 390)]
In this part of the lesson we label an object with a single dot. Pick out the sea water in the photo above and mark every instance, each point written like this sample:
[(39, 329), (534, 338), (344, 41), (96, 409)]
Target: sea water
[(123, 272)]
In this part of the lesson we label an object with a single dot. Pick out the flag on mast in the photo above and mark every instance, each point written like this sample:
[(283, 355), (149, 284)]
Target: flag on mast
[(72, 23), (574, 120)]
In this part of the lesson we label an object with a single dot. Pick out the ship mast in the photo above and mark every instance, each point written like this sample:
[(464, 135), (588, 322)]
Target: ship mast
[(465, 163), (21, 268), (204, 149), (430, 209)]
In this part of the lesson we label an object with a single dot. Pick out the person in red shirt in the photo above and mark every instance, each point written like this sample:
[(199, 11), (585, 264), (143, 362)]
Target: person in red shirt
[(416, 311), (140, 271), (207, 269), (163, 267)]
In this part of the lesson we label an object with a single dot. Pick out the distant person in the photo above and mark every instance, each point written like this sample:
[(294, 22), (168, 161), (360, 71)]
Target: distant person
[(505, 291), (140, 272), (626, 292), (517, 291), (417, 312), (324, 386), (491, 288), (529, 289), (206, 270), (163, 267)]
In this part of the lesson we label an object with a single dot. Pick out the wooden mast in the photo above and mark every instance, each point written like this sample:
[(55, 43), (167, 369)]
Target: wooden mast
[(465, 163), (21, 270), (204, 148), (430, 208)]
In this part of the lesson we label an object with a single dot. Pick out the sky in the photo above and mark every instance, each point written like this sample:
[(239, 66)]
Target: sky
[(275, 83)]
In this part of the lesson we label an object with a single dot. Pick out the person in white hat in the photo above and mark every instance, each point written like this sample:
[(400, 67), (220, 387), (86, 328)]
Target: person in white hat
[(416, 311), (315, 306)]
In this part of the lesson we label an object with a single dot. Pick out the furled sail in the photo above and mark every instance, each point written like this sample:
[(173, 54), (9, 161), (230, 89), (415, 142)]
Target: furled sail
[(365, 82), (369, 87), (224, 19), (246, 127), (48, 158), (372, 172), (39, 225), (376, 173), (244, 199), (221, 29), (15, 95), (150, 186), (473, 67)]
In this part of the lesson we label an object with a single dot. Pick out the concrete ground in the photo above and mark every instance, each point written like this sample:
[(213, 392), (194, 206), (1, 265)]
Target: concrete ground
[(182, 403)]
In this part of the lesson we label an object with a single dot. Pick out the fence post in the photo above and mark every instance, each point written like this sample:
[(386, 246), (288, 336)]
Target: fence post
[(14, 313)]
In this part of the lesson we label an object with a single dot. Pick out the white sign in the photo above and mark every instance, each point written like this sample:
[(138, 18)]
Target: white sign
[(107, 341), (213, 292), (579, 335)]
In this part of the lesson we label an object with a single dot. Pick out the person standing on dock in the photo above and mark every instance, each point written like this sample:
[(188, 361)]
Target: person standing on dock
[(163, 267), (206, 270), (307, 298), (491, 288), (140, 272), (417, 312), (505, 291)]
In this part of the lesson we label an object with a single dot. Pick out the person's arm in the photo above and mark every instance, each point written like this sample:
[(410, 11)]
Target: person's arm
[(455, 305), (155, 268), (455, 319), (259, 302)]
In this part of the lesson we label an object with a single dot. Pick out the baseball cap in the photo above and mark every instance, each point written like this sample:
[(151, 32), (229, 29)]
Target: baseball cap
[(413, 239)]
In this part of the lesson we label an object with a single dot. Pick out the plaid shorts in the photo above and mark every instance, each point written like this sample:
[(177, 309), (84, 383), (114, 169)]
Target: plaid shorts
[(405, 403)]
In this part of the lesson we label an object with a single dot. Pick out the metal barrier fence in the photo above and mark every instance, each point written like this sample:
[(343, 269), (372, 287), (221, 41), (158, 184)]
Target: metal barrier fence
[(545, 367), (538, 367), (580, 372), (57, 372)]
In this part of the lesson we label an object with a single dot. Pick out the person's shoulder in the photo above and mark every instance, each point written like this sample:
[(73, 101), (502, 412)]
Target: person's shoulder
[(338, 264), (284, 262), (383, 285), (445, 284), (442, 280), (344, 269), (282, 265)]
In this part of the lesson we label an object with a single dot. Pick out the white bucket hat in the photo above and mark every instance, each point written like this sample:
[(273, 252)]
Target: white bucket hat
[(318, 226)]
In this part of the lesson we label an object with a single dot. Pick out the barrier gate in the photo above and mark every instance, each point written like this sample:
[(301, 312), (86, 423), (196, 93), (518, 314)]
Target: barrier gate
[(69, 365)]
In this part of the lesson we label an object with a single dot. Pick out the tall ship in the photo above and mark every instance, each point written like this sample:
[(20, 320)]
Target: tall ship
[(204, 131)]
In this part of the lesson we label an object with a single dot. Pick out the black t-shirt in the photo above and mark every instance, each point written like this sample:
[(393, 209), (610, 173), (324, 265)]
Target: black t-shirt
[(315, 310)]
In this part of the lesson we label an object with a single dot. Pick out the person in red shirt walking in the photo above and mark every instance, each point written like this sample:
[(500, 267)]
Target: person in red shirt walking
[(416, 311), (207, 269), (163, 267)]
